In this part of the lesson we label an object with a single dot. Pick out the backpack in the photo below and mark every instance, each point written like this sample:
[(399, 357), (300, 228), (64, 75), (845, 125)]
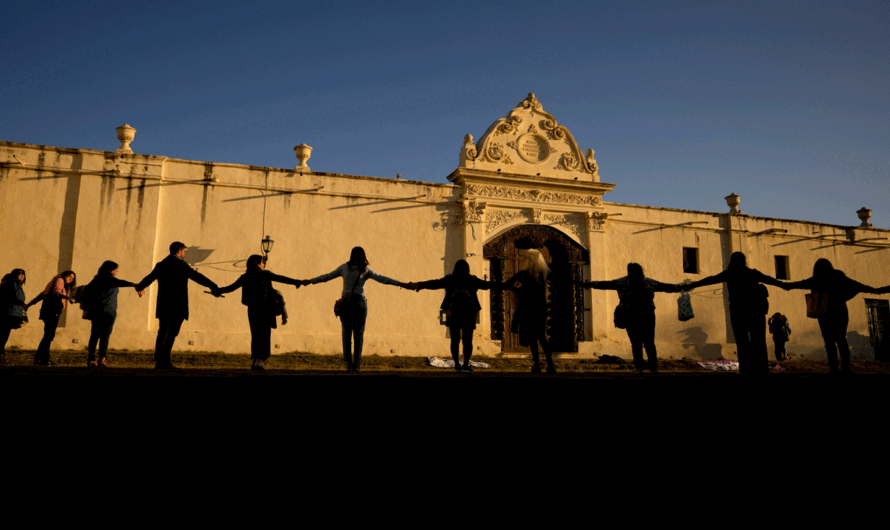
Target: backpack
[(462, 303)]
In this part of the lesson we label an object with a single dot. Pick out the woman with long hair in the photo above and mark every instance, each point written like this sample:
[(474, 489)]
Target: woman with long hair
[(530, 317), (353, 304), (256, 292), (461, 305), (636, 295), (100, 308), (833, 285), (55, 298), (12, 306)]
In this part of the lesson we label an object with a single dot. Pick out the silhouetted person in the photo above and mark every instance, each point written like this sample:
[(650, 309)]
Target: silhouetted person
[(746, 312), (780, 330), (173, 275), (256, 287), (636, 293), (355, 273), (461, 306), (100, 304), (55, 298), (12, 306), (830, 282), (530, 317)]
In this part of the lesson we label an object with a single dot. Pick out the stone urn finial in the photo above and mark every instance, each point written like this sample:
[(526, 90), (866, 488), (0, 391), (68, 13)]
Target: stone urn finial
[(303, 153), (733, 201), (864, 215), (125, 134)]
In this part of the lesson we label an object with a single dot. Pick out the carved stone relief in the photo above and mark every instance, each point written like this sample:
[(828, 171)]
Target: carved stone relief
[(505, 192), (496, 218), (567, 223), (543, 147), (471, 212), (596, 221)]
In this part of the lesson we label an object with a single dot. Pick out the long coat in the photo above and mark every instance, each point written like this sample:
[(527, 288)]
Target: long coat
[(173, 275)]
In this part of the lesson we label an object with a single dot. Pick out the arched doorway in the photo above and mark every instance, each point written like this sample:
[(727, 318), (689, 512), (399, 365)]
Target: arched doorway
[(565, 312)]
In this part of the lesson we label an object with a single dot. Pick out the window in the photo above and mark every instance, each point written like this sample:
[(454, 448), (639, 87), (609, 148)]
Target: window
[(690, 260), (782, 268)]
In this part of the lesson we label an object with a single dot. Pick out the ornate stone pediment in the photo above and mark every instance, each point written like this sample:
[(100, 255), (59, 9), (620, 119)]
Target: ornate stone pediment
[(530, 142)]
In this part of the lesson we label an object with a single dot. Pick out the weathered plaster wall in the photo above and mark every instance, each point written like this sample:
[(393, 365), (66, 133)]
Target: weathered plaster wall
[(66, 208)]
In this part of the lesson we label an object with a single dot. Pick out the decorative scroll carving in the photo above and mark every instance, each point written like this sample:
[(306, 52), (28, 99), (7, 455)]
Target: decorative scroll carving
[(533, 142), (530, 102), (553, 129), (510, 126), (596, 221), (504, 192), (571, 222), (471, 212), (535, 236), (496, 218), (468, 151), (577, 278), (568, 162)]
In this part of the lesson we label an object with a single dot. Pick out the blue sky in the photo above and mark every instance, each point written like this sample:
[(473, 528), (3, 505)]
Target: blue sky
[(784, 103)]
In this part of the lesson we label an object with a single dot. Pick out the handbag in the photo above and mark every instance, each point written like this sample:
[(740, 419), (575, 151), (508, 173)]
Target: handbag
[(347, 307), (817, 304), (621, 317), (684, 308)]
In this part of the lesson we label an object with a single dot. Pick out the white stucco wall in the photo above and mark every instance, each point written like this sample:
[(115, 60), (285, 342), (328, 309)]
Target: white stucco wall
[(67, 208)]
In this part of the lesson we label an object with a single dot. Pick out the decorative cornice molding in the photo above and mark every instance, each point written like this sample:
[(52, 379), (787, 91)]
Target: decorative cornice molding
[(505, 192)]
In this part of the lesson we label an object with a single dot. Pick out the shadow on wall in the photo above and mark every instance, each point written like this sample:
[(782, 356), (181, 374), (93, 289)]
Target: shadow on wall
[(697, 340)]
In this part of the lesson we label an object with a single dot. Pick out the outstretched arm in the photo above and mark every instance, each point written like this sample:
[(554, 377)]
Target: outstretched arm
[(217, 291), (882, 290), (603, 286), (283, 279), (431, 284), (326, 277), (148, 280), (200, 279), (710, 280)]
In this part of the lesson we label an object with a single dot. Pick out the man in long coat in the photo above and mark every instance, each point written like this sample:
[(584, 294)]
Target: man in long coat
[(173, 275)]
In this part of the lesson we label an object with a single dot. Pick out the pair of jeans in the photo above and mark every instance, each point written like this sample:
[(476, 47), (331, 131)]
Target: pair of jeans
[(168, 329), (749, 329), (260, 321), (641, 332), (833, 326), (50, 323), (353, 328), (100, 333), (456, 340)]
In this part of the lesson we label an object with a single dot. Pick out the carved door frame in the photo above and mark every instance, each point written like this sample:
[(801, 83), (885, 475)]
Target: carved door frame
[(535, 236)]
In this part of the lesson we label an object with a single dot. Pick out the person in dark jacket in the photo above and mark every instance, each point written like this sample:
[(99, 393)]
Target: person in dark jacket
[(636, 294), (461, 305), (746, 312), (12, 306), (100, 307), (530, 317), (173, 275), (55, 299), (838, 288), (255, 286)]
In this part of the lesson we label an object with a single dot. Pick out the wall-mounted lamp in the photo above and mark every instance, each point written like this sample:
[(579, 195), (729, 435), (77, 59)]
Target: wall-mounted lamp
[(267, 243)]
